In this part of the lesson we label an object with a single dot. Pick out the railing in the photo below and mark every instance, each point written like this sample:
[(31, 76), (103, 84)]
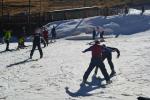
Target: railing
[(30, 21)]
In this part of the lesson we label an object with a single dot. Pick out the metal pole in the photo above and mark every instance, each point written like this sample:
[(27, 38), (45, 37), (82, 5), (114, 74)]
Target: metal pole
[(2, 13), (84, 3), (2, 7), (29, 23), (40, 11)]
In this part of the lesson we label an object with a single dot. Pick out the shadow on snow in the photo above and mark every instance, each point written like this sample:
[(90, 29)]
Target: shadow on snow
[(86, 88), (11, 50), (22, 62)]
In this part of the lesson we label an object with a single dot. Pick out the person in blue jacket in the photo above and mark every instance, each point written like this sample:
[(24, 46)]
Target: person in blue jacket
[(107, 54)]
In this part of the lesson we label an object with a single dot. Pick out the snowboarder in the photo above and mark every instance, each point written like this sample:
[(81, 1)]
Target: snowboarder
[(107, 54), (7, 37), (53, 33), (37, 42), (96, 50), (45, 35)]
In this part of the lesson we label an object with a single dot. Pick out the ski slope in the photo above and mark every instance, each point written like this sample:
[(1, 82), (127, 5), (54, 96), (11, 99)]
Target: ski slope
[(58, 75)]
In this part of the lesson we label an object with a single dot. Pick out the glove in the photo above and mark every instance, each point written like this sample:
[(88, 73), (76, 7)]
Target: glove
[(118, 55)]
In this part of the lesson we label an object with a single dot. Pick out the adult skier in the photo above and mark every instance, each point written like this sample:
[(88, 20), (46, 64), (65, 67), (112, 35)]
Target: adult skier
[(53, 33), (96, 50), (126, 10), (37, 42), (143, 10), (107, 54), (94, 34)]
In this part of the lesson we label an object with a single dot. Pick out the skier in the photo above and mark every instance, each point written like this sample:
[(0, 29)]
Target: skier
[(143, 10), (94, 33), (37, 42), (21, 38), (102, 35), (96, 50), (53, 33), (45, 35), (7, 37), (126, 10), (107, 54), (20, 43)]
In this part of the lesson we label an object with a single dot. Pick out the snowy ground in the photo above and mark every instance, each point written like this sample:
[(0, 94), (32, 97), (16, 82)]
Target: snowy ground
[(58, 75)]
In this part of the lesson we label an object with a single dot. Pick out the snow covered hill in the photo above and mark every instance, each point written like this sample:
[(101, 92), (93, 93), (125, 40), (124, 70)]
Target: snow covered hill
[(119, 24), (57, 76)]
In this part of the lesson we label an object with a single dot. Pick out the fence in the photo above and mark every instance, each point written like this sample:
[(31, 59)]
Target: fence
[(30, 21)]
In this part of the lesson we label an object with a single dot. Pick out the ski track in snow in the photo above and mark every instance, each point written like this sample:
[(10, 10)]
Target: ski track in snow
[(58, 75)]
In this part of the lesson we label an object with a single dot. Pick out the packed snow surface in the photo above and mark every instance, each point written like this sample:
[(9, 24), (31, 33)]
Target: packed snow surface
[(58, 75)]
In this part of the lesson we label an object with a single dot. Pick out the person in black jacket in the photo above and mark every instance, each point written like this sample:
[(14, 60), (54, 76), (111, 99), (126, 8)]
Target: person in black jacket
[(143, 10), (107, 54), (94, 34), (126, 10), (53, 33), (102, 35), (37, 42)]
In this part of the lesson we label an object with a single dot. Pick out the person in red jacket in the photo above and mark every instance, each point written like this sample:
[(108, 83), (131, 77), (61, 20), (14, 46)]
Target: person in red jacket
[(96, 50), (45, 35)]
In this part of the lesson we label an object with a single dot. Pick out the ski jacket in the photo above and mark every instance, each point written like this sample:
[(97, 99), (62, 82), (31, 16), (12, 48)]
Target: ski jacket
[(109, 50), (7, 35), (45, 34), (96, 51), (53, 32)]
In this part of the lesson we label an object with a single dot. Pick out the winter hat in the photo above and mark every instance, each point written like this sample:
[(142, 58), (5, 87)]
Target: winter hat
[(97, 42)]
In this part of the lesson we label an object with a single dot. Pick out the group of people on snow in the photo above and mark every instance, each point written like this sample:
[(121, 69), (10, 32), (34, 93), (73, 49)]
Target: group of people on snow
[(97, 33), (99, 54), (40, 35)]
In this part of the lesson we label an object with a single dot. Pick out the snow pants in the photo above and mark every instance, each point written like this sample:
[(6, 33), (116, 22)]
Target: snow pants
[(7, 44), (43, 41), (46, 40), (39, 48), (107, 56), (96, 62)]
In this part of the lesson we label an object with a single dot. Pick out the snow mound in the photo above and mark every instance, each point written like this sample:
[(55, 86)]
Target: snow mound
[(118, 24)]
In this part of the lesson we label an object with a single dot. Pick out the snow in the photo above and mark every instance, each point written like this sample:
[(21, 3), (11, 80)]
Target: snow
[(58, 75), (119, 24)]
